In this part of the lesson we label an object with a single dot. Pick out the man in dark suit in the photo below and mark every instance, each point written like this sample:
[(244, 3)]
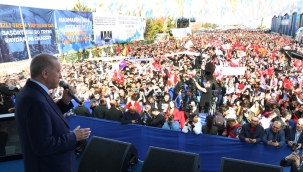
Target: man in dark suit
[(294, 135), (157, 119), (113, 113), (131, 116), (3, 141), (99, 111), (81, 110), (252, 132), (47, 142)]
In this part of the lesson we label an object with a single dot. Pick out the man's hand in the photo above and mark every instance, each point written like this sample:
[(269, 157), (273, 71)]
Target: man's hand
[(66, 98), (81, 133), (247, 140), (134, 121), (299, 146), (290, 143), (253, 140)]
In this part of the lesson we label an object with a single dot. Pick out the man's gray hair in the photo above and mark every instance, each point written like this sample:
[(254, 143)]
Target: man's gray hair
[(41, 62), (278, 122)]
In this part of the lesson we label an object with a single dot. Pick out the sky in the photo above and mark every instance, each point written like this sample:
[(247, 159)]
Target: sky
[(50, 4), (68, 4)]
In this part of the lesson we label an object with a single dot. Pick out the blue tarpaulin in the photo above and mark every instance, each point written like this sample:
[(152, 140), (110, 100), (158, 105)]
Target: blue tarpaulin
[(210, 148)]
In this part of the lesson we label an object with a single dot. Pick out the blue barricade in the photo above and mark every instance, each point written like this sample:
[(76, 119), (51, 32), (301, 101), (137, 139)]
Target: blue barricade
[(211, 148)]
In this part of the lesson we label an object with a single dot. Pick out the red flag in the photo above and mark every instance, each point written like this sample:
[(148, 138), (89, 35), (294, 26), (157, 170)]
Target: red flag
[(234, 63), (270, 71), (287, 84)]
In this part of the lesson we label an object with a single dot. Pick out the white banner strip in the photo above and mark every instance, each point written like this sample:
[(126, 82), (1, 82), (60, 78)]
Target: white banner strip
[(233, 70)]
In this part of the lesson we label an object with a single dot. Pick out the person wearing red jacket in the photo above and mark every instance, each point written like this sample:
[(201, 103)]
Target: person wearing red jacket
[(233, 128), (172, 116), (134, 103)]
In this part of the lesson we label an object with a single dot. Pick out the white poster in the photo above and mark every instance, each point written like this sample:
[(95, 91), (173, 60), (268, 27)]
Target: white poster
[(233, 70), (111, 29)]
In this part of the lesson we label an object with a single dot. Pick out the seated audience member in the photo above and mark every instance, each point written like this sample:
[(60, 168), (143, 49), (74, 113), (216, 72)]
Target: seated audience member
[(233, 128), (293, 161), (295, 136), (172, 117), (219, 118), (252, 132), (134, 103), (131, 116), (192, 124), (265, 121), (274, 136), (299, 111), (3, 109), (81, 110), (99, 111), (209, 128), (94, 102), (113, 113), (157, 119)]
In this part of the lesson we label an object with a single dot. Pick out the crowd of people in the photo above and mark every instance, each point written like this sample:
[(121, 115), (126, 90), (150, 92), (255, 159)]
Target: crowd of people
[(167, 84)]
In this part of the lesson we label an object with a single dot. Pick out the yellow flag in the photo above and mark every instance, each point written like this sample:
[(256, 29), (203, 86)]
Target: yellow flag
[(124, 52)]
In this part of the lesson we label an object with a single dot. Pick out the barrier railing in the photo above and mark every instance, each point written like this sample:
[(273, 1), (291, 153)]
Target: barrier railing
[(211, 148)]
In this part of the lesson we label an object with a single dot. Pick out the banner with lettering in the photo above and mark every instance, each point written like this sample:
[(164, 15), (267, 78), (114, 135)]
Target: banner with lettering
[(110, 29), (40, 30), (12, 41), (74, 30)]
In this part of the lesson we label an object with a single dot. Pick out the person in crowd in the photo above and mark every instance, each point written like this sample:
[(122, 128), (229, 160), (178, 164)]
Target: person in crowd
[(3, 141), (3, 109), (164, 104), (131, 116), (146, 114), (294, 136), (274, 136), (293, 161), (233, 128), (157, 119), (134, 103), (94, 102), (209, 128), (81, 110), (252, 132), (266, 121), (113, 113), (244, 113), (172, 117), (99, 111), (192, 124), (192, 108), (299, 111), (219, 119), (206, 96)]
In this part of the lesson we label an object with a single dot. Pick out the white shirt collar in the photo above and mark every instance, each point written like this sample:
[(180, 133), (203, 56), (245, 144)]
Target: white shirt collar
[(41, 85)]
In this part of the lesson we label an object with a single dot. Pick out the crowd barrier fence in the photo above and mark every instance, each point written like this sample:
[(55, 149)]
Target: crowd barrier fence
[(210, 148)]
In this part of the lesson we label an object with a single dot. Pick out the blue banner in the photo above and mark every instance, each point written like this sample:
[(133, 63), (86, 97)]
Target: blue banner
[(12, 40), (40, 30), (74, 30)]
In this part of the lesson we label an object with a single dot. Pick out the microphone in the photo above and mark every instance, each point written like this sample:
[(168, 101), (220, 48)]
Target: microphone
[(64, 85)]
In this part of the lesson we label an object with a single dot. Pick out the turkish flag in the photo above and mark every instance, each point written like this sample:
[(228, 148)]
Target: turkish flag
[(270, 71), (287, 84), (234, 63)]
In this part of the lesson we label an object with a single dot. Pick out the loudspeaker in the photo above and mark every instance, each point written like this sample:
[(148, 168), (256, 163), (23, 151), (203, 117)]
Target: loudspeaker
[(166, 160), (108, 155), (235, 165)]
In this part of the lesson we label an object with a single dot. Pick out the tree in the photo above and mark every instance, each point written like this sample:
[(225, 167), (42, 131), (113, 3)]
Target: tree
[(81, 7)]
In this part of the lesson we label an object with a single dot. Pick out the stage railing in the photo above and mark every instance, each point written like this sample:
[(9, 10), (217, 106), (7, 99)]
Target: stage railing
[(211, 148)]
